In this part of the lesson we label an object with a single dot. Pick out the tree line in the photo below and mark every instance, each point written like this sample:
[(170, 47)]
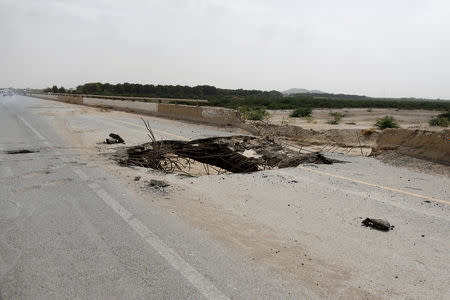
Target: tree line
[(235, 98), (160, 91)]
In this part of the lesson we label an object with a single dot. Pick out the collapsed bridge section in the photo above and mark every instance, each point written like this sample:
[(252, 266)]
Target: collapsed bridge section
[(234, 154)]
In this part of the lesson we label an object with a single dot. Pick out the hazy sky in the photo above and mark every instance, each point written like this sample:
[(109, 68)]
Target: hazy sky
[(376, 48)]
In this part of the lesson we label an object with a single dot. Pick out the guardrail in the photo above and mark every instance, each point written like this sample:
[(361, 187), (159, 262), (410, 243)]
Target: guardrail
[(142, 99)]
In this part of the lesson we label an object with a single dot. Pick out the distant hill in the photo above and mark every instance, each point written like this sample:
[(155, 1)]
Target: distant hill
[(294, 91)]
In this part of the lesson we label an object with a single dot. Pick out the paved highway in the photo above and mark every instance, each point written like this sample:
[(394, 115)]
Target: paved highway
[(72, 226), (70, 230)]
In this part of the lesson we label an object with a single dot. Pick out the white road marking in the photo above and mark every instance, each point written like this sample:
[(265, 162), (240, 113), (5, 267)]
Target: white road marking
[(34, 130), (203, 285)]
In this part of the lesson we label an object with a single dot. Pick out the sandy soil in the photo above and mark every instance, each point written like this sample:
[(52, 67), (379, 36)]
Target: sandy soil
[(361, 117)]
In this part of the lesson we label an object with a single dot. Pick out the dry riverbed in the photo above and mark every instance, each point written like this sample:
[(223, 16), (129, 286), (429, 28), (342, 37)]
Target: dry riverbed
[(357, 118)]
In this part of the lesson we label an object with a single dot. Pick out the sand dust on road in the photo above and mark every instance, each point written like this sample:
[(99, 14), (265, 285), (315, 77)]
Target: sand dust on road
[(304, 226)]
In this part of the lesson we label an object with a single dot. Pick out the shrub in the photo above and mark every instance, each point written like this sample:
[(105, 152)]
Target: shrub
[(301, 112), (337, 115), (254, 114), (442, 120), (387, 122), (333, 121), (445, 115), (310, 119), (337, 118)]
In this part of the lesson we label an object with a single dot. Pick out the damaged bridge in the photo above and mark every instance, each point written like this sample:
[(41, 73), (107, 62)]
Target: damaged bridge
[(234, 154)]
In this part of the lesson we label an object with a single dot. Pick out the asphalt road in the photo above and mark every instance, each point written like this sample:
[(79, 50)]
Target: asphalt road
[(70, 229)]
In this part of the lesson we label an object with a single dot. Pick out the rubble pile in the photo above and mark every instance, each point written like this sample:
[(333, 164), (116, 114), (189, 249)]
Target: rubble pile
[(218, 155)]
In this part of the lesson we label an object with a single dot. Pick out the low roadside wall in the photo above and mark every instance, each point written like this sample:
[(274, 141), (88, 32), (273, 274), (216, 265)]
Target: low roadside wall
[(44, 96), (68, 99), (134, 106), (211, 115)]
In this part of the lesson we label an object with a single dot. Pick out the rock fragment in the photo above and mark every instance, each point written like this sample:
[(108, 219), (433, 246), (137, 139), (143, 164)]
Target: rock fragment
[(378, 224), (158, 183), (114, 139)]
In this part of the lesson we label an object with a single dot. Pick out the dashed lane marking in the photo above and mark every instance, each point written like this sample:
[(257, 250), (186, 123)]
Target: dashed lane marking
[(203, 285)]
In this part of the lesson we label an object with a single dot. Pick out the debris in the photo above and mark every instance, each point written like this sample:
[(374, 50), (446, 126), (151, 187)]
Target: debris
[(218, 155), (137, 178), (158, 183), (114, 139), (251, 153), (379, 224), (312, 158), (21, 151)]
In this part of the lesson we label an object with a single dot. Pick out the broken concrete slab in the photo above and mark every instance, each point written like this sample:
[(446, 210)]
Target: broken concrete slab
[(234, 154), (114, 139)]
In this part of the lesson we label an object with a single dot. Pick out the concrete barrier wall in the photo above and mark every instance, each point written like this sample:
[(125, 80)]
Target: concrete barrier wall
[(182, 112), (73, 100), (43, 96), (226, 115), (134, 106), (212, 115), (215, 115)]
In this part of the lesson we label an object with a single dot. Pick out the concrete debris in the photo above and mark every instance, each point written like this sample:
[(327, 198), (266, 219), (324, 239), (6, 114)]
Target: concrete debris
[(114, 139), (137, 178), (218, 155), (158, 183), (379, 224)]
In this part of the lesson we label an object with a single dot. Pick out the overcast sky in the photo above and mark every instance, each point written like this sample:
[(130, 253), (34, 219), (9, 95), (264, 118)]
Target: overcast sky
[(376, 48)]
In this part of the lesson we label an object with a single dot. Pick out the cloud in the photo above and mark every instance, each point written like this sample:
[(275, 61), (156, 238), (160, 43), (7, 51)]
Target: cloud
[(389, 48)]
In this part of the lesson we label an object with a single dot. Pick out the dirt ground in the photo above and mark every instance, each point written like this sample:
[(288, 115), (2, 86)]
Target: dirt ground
[(361, 117)]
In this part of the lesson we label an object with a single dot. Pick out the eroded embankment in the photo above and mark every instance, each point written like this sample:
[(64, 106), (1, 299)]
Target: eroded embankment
[(429, 145), (338, 137)]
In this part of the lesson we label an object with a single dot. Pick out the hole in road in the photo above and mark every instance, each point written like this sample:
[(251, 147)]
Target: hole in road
[(216, 155)]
